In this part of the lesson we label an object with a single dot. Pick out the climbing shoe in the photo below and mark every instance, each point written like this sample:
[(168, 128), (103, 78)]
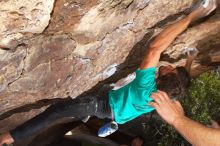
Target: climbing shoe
[(108, 129)]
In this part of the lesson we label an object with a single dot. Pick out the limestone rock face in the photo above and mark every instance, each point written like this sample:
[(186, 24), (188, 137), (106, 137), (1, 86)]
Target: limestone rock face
[(54, 49), (21, 17)]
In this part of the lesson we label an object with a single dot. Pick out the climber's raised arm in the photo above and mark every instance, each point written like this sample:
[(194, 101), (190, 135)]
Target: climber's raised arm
[(162, 42), (166, 37)]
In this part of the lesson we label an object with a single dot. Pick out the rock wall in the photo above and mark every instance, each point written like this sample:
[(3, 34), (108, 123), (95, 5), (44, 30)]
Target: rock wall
[(54, 49)]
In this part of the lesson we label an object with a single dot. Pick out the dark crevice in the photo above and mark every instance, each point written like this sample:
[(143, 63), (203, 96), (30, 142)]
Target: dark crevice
[(167, 20), (22, 71), (25, 108), (166, 57), (5, 48), (202, 19), (53, 134), (163, 23), (127, 6), (13, 48)]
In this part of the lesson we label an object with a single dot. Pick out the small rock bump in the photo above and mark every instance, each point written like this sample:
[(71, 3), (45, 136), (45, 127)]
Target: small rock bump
[(35, 13), (66, 4), (22, 9), (40, 4), (37, 22)]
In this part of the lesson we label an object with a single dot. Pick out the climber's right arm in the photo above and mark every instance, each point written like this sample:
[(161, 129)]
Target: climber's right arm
[(162, 42)]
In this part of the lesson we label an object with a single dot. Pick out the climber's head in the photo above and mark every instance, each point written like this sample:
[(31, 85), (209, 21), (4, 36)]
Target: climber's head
[(172, 80)]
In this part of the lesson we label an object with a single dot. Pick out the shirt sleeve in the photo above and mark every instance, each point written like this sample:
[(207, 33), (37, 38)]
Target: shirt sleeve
[(146, 77)]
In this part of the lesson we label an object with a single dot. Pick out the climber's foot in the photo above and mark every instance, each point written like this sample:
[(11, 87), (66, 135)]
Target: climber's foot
[(204, 9)]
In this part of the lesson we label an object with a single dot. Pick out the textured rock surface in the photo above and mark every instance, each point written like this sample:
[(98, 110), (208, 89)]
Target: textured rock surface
[(49, 55), (22, 17)]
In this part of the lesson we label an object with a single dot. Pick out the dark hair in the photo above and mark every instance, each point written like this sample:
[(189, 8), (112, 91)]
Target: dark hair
[(175, 84)]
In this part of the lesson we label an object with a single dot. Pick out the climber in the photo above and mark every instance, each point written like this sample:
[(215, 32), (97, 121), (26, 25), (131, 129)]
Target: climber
[(130, 101)]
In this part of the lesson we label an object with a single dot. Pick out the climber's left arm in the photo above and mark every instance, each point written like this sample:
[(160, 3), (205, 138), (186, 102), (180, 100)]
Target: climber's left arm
[(191, 55), (162, 42)]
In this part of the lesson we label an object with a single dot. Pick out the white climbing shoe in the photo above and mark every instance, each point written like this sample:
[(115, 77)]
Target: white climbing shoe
[(108, 129), (207, 5)]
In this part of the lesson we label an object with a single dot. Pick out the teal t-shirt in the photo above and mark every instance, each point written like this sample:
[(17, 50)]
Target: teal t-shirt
[(132, 100)]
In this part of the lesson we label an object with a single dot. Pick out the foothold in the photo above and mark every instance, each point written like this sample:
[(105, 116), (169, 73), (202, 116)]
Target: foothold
[(66, 4), (190, 51), (68, 78), (69, 133), (58, 81)]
